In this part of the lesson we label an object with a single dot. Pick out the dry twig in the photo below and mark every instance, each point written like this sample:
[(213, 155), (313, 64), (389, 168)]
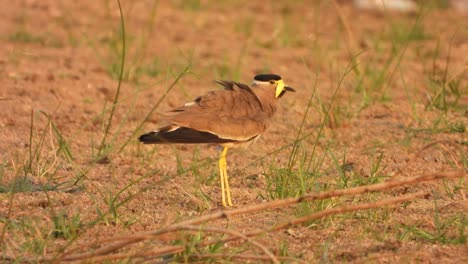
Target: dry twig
[(159, 252), (121, 242), (117, 243), (244, 257)]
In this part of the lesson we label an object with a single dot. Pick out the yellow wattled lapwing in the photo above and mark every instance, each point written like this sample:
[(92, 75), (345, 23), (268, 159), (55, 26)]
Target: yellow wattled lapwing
[(229, 117)]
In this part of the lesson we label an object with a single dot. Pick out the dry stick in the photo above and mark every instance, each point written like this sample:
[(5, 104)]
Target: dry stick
[(244, 256), (274, 204), (344, 209), (324, 195), (233, 234), (202, 256), (177, 228), (324, 213), (98, 259), (128, 240)]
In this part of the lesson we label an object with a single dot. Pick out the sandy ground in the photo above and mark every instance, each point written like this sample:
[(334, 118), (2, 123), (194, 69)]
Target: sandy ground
[(59, 62)]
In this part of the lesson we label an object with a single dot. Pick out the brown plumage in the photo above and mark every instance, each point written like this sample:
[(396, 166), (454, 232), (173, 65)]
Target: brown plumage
[(236, 114)]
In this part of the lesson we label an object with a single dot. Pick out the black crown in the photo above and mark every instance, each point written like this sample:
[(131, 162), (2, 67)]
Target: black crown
[(267, 77)]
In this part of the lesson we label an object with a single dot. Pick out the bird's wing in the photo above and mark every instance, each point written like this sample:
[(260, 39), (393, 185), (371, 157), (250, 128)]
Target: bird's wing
[(176, 134), (234, 113)]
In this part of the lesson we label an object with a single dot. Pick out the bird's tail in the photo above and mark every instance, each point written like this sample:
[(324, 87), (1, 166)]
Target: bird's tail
[(185, 135)]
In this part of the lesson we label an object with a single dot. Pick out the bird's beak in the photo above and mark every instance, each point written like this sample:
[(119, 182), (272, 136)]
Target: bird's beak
[(287, 88), (280, 87)]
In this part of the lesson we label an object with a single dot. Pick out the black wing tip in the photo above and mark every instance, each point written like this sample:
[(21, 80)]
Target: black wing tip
[(182, 135), (267, 77), (228, 85), (149, 138)]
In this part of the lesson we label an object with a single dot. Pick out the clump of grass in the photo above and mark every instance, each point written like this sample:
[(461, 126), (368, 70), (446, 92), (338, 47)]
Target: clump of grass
[(47, 156), (304, 167), (447, 231), (34, 236), (376, 76), (66, 227), (46, 39), (190, 5), (24, 36), (348, 177), (119, 46), (228, 70), (444, 93), (439, 4), (49, 165), (21, 184), (288, 35), (443, 125), (245, 26), (115, 200)]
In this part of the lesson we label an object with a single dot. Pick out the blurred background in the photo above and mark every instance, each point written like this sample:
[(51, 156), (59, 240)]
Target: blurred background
[(381, 93)]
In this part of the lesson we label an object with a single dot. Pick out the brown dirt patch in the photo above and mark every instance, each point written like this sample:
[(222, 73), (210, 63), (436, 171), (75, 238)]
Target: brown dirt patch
[(61, 59)]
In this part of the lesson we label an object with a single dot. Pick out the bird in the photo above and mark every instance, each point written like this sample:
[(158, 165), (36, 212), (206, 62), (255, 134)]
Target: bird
[(230, 117)]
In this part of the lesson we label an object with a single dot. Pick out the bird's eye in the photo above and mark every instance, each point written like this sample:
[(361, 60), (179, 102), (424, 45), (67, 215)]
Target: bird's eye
[(272, 82)]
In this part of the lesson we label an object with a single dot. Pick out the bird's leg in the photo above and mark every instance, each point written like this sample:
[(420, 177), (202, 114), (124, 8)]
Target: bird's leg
[(224, 179), (222, 164)]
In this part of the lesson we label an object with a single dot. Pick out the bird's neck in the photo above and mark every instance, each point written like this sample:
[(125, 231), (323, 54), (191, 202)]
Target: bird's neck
[(266, 98)]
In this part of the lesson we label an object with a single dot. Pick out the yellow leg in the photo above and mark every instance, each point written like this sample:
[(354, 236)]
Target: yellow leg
[(221, 164), (225, 191), (226, 183)]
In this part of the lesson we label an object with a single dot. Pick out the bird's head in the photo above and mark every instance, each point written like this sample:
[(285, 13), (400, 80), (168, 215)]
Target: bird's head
[(274, 81)]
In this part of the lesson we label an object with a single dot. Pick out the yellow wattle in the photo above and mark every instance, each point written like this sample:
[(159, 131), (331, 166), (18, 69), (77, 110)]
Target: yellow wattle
[(279, 88)]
